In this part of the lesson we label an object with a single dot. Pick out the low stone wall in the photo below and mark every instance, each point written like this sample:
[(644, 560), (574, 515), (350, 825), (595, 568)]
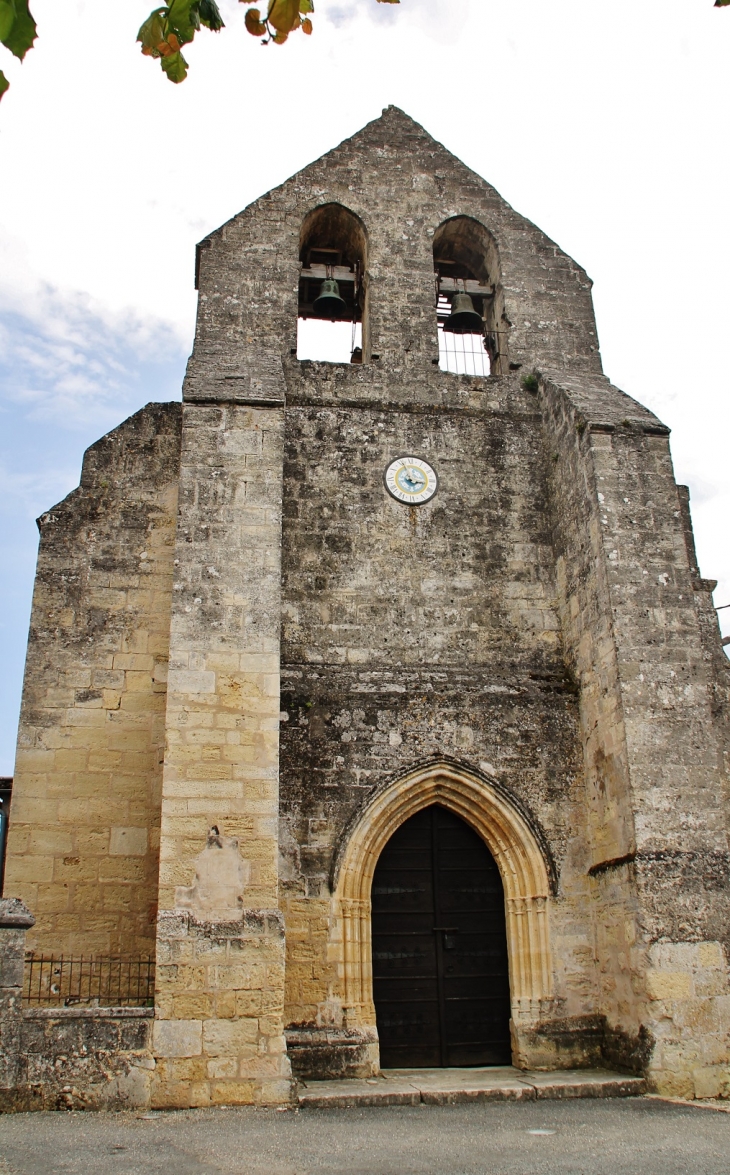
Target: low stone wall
[(82, 1059), (79, 1058)]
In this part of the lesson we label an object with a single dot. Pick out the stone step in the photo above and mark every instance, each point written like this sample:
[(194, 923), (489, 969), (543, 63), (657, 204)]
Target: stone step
[(443, 1087)]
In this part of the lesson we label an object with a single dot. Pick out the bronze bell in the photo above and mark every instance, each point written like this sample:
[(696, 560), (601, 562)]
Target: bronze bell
[(328, 303), (464, 319)]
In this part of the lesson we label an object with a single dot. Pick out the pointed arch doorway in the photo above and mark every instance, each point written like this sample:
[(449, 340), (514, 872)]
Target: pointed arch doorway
[(439, 947), (523, 867)]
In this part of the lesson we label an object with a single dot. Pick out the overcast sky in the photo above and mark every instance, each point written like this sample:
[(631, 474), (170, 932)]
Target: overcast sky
[(606, 124)]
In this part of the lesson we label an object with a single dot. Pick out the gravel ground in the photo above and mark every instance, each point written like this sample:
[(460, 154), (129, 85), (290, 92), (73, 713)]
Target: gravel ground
[(641, 1136)]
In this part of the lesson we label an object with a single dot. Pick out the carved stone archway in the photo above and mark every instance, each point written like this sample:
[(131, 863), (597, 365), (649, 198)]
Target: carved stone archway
[(513, 845)]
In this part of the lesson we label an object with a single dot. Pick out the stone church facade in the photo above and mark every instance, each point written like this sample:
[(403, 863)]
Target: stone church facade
[(250, 664)]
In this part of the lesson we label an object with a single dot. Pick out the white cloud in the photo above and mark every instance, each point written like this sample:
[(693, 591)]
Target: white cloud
[(66, 364)]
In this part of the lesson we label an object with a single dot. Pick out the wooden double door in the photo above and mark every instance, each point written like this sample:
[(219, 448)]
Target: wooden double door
[(440, 972)]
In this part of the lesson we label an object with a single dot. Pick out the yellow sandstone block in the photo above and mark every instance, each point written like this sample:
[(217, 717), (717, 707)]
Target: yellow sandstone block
[(29, 869), (711, 954), (228, 1037), (49, 842), (275, 1092), (168, 1095), (225, 1006), (144, 703), (128, 740), (117, 899), (134, 661), (232, 1093), (101, 811), (75, 760), (51, 899), (186, 1068), (669, 985), (92, 841), (708, 1081), (221, 1068), (102, 759), (85, 719), (34, 761), (190, 1006), (129, 869), (135, 641), (248, 1003), (128, 842), (20, 839), (199, 1094)]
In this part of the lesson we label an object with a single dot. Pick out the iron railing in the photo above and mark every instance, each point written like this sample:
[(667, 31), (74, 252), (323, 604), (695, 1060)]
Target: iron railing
[(89, 981)]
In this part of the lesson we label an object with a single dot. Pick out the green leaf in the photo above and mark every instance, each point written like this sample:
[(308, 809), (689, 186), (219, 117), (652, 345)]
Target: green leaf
[(4, 83), (210, 15), (308, 6), (195, 16), (175, 66), (7, 16), (153, 32), (183, 18), (22, 31), (721, 3)]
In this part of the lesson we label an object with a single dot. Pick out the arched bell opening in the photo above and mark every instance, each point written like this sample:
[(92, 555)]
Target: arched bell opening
[(469, 302), (439, 947), (332, 310), (523, 867)]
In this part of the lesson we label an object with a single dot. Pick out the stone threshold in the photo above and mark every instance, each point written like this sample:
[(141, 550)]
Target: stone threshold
[(447, 1087)]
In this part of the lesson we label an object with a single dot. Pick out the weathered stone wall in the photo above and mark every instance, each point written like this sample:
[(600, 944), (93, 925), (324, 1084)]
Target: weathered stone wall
[(402, 185), (83, 1059), (219, 844), (642, 650), (84, 828), (411, 635)]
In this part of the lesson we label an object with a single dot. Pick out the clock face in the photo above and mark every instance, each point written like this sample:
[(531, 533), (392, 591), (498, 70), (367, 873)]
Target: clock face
[(411, 480)]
